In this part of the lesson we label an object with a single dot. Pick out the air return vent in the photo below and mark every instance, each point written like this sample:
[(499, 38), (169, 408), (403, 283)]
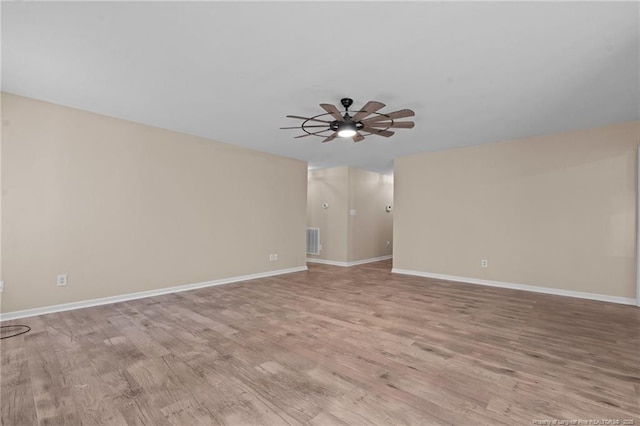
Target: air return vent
[(313, 240)]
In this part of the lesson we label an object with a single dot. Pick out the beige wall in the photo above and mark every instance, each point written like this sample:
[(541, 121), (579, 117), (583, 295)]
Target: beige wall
[(122, 207), (347, 238), (372, 226), (1, 124), (555, 211)]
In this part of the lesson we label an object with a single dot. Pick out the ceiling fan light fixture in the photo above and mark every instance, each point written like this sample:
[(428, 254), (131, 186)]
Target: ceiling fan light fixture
[(347, 130)]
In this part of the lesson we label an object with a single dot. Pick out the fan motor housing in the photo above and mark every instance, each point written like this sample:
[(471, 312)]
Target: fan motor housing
[(335, 125)]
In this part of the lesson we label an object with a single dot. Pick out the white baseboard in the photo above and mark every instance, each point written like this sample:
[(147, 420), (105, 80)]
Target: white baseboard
[(354, 263), (327, 262), (525, 287), (142, 294)]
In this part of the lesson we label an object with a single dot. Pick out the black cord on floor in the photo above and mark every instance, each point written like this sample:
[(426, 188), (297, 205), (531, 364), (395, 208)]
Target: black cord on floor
[(25, 328)]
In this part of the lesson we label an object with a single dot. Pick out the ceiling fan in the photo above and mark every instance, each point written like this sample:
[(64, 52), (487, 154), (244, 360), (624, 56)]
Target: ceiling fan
[(367, 121)]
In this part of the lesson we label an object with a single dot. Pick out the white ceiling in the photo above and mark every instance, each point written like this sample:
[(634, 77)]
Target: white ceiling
[(472, 72)]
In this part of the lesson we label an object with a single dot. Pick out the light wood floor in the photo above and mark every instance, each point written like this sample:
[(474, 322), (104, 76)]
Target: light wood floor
[(328, 346)]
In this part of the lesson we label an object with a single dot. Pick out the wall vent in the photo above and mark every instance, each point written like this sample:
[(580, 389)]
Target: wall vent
[(313, 240)]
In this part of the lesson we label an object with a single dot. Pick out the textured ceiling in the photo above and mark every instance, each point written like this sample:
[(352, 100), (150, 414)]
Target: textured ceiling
[(472, 72)]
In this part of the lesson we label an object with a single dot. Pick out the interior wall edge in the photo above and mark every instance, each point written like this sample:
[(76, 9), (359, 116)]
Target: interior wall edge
[(638, 230)]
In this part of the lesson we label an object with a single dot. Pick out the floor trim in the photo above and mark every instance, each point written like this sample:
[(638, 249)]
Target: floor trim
[(347, 264), (525, 287), (142, 294)]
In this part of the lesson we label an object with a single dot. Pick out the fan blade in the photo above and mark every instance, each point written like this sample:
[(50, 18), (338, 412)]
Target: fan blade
[(307, 118), (298, 127), (385, 133), (331, 109), (357, 137), (396, 114), (369, 108), (330, 138), (396, 124)]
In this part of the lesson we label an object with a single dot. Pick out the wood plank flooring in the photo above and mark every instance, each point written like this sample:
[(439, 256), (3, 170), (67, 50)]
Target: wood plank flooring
[(330, 346)]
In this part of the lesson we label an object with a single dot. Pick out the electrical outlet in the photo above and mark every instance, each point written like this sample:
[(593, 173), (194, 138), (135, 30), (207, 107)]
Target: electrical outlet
[(484, 263), (270, 258), (61, 280), (275, 256)]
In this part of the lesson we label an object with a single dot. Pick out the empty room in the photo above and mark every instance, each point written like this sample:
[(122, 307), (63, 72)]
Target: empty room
[(319, 213)]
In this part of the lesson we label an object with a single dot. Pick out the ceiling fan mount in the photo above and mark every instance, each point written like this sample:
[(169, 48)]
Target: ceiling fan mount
[(367, 120), (346, 103)]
